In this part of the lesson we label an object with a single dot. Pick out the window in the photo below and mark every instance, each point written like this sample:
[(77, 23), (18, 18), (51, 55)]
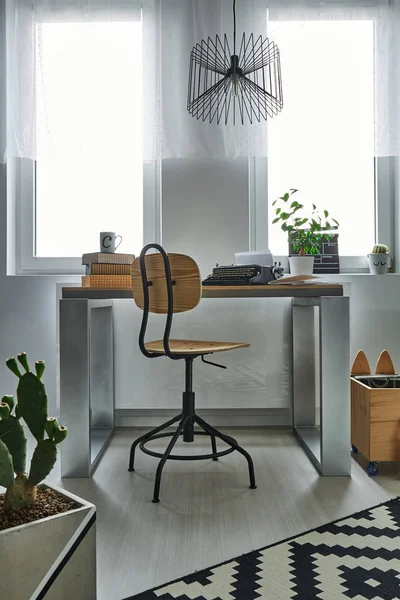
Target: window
[(89, 174), (323, 141), (89, 136)]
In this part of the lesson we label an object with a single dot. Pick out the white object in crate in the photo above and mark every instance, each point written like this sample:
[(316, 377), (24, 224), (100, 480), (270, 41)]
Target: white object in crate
[(256, 257)]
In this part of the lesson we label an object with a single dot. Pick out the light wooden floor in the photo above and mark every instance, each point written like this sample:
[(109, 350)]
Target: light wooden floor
[(207, 513)]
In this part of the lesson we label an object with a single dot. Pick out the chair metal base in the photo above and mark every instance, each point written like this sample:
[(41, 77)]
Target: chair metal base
[(187, 419), (214, 455), (183, 422)]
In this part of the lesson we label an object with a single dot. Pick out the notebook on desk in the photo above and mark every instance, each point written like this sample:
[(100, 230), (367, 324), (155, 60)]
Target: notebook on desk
[(300, 280)]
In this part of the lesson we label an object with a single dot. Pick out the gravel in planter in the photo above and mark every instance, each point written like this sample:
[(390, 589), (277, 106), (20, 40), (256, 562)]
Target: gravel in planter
[(47, 504)]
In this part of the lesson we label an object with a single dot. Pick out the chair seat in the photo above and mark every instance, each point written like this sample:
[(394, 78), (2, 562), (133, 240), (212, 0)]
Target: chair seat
[(193, 347)]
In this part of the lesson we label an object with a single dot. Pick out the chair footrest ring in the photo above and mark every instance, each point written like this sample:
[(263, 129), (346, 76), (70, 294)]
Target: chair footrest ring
[(184, 456)]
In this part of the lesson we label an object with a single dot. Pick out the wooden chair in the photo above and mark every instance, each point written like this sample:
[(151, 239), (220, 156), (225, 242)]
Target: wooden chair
[(166, 284)]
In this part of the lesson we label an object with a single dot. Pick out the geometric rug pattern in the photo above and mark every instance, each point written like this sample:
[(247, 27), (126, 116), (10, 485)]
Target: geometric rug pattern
[(356, 557)]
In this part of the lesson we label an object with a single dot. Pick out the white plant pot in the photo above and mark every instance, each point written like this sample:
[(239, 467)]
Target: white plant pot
[(378, 263), (56, 553), (301, 265)]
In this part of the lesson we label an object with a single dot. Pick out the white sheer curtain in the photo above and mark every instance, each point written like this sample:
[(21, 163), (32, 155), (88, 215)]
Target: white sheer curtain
[(183, 24), (25, 65), (186, 22), (170, 30)]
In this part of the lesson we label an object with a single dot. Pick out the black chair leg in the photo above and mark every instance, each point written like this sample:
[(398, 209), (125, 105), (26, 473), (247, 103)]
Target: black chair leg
[(181, 427), (213, 442), (148, 435), (231, 442), (214, 446)]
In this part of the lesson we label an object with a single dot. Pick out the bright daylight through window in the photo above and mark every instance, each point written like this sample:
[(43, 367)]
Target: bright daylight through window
[(89, 136), (323, 141)]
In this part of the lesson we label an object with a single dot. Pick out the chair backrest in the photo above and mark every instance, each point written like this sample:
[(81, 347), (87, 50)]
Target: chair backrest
[(165, 284), (186, 283)]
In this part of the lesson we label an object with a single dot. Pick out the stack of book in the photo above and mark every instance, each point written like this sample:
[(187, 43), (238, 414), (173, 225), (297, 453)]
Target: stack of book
[(107, 270)]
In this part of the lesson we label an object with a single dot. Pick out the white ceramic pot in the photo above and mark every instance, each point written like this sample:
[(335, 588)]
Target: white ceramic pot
[(378, 263), (56, 553), (301, 265)]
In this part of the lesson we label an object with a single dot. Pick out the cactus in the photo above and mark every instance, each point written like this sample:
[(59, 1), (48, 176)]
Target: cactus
[(32, 402), (39, 366), (43, 460), (9, 400), (32, 408), (4, 410), (380, 249), (13, 436), (6, 467), (51, 426)]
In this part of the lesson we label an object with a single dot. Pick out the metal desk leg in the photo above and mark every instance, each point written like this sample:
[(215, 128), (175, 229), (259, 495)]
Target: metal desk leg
[(86, 383), (327, 371)]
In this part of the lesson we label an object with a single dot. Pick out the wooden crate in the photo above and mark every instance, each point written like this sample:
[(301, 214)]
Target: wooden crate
[(375, 421)]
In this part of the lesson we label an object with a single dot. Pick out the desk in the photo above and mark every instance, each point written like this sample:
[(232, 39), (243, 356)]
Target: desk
[(321, 367)]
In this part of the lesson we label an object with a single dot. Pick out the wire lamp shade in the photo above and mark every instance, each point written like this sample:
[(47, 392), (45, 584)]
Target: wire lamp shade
[(244, 86)]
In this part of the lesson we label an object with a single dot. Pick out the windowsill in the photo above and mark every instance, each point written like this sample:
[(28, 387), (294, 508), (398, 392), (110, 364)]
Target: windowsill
[(343, 276)]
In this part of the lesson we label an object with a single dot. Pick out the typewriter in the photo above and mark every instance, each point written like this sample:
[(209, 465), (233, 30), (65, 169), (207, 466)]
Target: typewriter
[(244, 275)]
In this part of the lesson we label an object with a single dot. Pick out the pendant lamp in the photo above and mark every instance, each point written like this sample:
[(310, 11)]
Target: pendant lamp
[(228, 86)]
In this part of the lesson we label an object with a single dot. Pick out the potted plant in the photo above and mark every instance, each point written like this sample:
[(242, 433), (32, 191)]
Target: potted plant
[(378, 259), (304, 233), (47, 535)]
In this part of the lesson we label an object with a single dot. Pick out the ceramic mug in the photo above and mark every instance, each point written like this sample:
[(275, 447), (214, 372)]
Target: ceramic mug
[(107, 241)]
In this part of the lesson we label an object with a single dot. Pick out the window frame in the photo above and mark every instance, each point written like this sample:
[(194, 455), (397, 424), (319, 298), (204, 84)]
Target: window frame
[(24, 199), (259, 206), (384, 188), (21, 199), (27, 263)]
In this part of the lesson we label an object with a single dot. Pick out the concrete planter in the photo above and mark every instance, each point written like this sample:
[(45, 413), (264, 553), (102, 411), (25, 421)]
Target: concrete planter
[(52, 558), (378, 263), (301, 265)]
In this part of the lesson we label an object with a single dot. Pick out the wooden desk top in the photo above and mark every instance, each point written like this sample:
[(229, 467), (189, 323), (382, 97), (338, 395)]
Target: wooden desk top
[(221, 291)]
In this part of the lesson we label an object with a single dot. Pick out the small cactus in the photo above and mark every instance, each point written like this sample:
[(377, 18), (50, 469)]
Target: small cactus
[(380, 249), (32, 408), (13, 436), (32, 402), (6, 467)]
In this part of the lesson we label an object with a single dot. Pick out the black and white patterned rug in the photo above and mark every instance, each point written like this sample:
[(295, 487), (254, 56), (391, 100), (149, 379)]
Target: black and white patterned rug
[(356, 557)]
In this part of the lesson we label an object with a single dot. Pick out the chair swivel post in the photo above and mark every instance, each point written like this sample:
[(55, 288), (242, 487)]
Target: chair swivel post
[(188, 402)]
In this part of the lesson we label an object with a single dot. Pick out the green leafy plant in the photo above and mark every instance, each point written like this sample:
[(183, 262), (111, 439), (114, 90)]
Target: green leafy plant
[(304, 233), (380, 249), (31, 407)]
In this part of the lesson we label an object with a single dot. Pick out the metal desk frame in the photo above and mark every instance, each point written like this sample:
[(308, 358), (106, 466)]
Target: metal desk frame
[(321, 362), (321, 367), (86, 383)]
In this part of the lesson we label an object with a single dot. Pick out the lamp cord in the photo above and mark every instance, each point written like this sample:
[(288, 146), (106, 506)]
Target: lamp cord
[(234, 27)]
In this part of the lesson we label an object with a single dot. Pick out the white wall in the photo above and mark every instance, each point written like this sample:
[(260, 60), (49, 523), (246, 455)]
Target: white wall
[(27, 305), (205, 214), (27, 315), (206, 224)]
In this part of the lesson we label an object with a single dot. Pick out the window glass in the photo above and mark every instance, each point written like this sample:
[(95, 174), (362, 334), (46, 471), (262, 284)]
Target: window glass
[(322, 143), (89, 172)]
